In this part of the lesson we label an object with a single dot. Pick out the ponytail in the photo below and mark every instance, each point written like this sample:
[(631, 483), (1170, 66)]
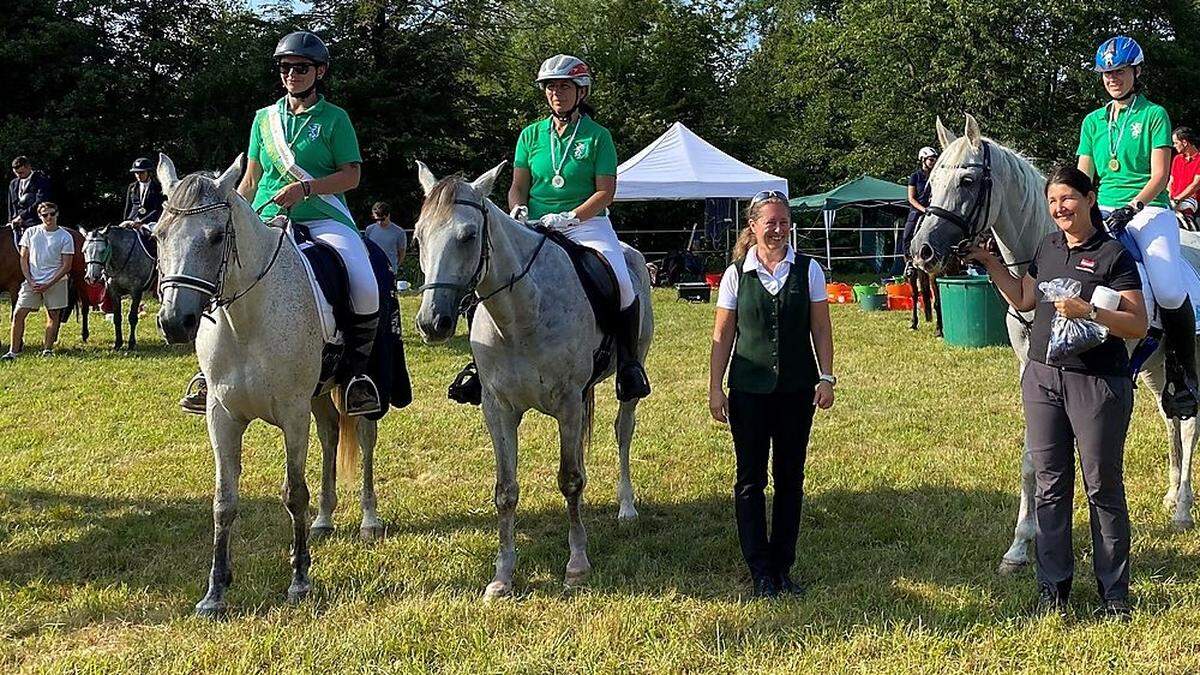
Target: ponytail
[(744, 241)]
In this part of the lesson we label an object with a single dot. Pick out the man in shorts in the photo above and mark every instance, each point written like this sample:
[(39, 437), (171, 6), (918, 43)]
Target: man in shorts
[(46, 252)]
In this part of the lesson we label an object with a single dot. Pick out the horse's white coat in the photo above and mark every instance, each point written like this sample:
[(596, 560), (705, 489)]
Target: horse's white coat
[(533, 344), (1020, 219)]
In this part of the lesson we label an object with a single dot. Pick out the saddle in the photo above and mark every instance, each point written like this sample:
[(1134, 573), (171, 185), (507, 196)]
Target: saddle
[(331, 288)]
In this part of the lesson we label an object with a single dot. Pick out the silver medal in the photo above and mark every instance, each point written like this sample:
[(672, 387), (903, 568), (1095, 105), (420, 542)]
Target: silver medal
[(558, 181)]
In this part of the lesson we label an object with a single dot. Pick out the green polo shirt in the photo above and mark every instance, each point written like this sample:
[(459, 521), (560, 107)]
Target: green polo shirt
[(591, 153), (1141, 128), (324, 141)]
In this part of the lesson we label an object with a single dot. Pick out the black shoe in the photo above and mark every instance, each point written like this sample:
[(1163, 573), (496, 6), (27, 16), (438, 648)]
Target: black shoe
[(466, 387), (764, 587), (1050, 601), (789, 587), (632, 382), (361, 394), (1118, 609), (195, 395), (1180, 396)]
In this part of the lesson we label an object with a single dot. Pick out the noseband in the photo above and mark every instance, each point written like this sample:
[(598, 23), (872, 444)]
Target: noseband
[(214, 290), (975, 222)]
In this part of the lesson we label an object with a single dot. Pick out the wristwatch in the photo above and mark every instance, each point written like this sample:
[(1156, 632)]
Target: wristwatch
[(831, 379), (1091, 312)]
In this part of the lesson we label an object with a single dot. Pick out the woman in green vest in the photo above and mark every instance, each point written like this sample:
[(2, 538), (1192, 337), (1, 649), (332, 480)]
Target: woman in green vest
[(303, 158), (773, 320)]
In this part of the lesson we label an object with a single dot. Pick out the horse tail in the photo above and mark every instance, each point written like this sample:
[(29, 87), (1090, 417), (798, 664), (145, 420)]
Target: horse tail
[(589, 416), (348, 450)]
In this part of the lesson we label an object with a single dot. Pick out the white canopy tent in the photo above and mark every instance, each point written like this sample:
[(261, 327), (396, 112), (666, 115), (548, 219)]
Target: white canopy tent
[(680, 165)]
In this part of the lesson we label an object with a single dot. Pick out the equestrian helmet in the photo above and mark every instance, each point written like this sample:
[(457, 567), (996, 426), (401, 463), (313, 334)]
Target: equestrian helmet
[(925, 153), (1117, 53), (564, 67), (303, 44), (142, 164)]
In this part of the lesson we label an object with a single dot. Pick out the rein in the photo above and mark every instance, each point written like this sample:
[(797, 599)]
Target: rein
[(470, 293), (214, 291)]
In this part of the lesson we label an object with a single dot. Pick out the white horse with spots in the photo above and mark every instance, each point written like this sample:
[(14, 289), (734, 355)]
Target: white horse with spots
[(985, 186), (533, 337), (234, 285)]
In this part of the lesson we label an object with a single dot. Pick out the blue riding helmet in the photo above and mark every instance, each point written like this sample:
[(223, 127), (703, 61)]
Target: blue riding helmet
[(1117, 53)]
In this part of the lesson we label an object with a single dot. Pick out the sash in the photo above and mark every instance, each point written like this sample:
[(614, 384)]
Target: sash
[(275, 143)]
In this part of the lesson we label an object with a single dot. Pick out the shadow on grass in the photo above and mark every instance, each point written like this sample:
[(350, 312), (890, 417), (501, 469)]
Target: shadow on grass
[(876, 557)]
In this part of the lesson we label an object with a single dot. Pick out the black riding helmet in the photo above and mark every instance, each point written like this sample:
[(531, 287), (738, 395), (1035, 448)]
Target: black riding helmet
[(303, 44)]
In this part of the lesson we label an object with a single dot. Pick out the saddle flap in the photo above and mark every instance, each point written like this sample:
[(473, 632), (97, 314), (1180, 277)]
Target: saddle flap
[(597, 278)]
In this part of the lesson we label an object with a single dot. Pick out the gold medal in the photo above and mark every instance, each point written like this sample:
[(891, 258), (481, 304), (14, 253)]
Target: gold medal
[(1114, 165)]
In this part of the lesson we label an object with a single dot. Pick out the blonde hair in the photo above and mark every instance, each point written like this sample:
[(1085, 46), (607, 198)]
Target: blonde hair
[(746, 238)]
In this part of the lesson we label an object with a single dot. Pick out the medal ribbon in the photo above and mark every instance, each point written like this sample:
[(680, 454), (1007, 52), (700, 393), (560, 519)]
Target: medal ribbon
[(558, 165)]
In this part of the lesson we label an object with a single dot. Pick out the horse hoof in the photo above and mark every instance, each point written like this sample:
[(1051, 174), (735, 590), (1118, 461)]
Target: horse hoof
[(575, 578), (497, 590), (370, 533), (298, 592), (1182, 525), (627, 516), (320, 531), (1008, 567), (211, 609)]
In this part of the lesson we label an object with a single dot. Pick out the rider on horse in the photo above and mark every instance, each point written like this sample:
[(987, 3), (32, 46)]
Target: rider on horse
[(303, 157), (565, 176), (1127, 144)]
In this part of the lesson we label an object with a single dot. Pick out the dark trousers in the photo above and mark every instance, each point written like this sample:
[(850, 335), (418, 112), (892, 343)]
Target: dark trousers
[(1064, 412), (774, 426)]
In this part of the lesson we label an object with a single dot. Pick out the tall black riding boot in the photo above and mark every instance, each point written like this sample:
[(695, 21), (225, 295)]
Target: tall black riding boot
[(361, 394), (631, 376), (1179, 398)]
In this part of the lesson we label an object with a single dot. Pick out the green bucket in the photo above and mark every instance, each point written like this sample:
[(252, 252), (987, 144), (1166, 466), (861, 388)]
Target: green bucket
[(864, 290), (873, 303), (972, 312)]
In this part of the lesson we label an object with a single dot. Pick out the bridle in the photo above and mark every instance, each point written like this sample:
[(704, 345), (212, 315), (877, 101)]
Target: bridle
[(470, 290), (974, 223), (215, 290), (106, 256)]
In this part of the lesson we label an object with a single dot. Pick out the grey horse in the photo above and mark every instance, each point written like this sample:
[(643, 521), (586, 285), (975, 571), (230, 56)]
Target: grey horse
[(533, 338), (260, 348), (115, 256), (1020, 218)]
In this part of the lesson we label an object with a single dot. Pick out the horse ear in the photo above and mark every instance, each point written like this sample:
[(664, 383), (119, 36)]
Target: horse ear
[(945, 136), (485, 182), (428, 180), (167, 177), (227, 182), (972, 131)]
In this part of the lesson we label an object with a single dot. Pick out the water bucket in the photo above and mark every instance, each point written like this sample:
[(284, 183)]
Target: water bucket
[(873, 303), (863, 290), (839, 293), (972, 312)]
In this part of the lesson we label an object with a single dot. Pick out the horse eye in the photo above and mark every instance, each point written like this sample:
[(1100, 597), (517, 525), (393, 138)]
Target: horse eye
[(218, 238), (967, 180), (466, 237)]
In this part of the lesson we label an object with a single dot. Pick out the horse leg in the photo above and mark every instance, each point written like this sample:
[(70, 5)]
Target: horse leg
[(1184, 499), (1017, 555), (502, 423), (135, 304), (912, 286), (937, 305), (573, 424), (295, 498), (326, 417), (84, 310), (625, 425), (225, 433), (116, 302), (371, 527), (1181, 437)]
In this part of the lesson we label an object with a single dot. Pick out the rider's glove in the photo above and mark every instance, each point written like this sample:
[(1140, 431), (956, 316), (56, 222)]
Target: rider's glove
[(560, 221), (520, 213), (1118, 219)]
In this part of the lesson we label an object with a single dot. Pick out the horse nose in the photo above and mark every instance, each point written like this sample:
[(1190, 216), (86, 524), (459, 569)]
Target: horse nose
[(443, 324), (180, 329), (925, 254)]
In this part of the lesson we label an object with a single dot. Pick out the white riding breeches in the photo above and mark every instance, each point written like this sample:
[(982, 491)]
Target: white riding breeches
[(364, 293), (598, 234), (1156, 232)]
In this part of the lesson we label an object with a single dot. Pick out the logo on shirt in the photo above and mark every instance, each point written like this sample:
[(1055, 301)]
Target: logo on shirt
[(1086, 265), (1135, 129), (580, 150), (314, 132)]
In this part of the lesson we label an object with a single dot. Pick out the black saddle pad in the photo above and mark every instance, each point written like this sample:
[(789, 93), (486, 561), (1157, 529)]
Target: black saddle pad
[(596, 276), (387, 366)]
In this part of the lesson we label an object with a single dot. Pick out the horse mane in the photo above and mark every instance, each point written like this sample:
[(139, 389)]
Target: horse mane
[(193, 188), (440, 200)]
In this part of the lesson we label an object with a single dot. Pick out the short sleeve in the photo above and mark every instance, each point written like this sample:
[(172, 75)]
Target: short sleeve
[(521, 156), (606, 154), (816, 282), (25, 236), (727, 294), (1085, 138), (401, 238), (1123, 276), (68, 246), (1160, 129), (344, 143), (1033, 264), (912, 181), (255, 148)]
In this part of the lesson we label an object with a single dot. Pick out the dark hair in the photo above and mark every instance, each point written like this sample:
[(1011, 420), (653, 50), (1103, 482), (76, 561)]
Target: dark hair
[(1079, 182), (586, 108), (1188, 134), (381, 208), (20, 160)]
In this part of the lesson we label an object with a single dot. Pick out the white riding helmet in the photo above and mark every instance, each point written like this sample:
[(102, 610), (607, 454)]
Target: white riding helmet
[(926, 152), (564, 67)]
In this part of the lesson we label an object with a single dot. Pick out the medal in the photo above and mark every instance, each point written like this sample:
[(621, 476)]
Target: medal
[(557, 164), (1115, 144), (558, 181), (1114, 165)]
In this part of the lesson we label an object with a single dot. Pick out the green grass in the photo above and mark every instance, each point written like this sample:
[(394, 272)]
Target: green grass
[(105, 526)]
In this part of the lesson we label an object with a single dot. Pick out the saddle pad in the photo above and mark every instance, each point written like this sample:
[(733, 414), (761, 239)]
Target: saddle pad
[(329, 330), (597, 278)]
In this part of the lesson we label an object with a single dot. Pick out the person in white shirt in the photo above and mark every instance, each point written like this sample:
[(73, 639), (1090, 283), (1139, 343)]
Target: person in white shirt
[(46, 252)]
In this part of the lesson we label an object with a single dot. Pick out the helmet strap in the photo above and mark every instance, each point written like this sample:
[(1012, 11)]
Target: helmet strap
[(565, 117)]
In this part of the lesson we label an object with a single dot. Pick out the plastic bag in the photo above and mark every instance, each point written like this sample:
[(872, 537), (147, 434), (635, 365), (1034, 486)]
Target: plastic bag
[(1069, 337)]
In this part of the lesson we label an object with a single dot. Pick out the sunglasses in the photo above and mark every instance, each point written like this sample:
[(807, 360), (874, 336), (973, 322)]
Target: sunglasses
[(768, 194), (299, 68), (48, 213)]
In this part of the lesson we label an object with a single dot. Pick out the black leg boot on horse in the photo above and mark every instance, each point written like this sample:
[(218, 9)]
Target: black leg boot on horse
[(466, 387), (1179, 397), (631, 376)]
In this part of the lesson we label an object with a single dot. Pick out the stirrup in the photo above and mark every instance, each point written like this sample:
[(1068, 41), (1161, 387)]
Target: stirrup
[(367, 402), (637, 387), (466, 387), (195, 395)]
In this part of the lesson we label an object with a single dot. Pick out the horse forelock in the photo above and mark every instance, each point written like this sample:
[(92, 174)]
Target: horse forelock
[(439, 203)]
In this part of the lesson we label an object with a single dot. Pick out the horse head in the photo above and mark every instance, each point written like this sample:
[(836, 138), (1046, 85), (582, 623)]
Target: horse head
[(453, 232), (193, 239), (96, 252)]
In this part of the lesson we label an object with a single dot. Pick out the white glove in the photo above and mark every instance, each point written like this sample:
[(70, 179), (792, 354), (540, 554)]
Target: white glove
[(560, 221), (519, 213)]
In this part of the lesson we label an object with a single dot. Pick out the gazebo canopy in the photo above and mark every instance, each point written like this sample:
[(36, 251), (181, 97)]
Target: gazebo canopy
[(862, 191)]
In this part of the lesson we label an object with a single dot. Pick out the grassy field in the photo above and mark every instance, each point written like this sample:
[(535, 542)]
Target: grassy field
[(105, 526)]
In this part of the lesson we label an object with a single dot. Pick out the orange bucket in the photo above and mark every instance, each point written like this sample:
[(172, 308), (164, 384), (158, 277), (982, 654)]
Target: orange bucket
[(899, 303), (713, 280), (898, 290), (840, 293)]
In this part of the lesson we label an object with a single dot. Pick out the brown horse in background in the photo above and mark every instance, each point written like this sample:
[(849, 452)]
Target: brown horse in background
[(11, 275)]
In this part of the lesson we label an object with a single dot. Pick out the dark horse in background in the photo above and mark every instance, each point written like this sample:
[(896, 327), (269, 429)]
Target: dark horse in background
[(11, 275)]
